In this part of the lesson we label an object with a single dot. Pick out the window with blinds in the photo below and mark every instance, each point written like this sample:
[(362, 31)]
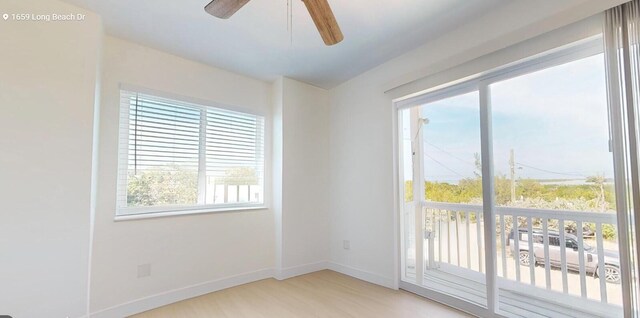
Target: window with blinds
[(181, 156)]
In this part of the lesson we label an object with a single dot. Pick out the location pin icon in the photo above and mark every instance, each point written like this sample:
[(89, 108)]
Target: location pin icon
[(5, 16)]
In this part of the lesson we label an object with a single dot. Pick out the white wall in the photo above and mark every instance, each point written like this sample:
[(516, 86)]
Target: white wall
[(332, 166), (305, 177), (184, 251), (48, 76), (361, 145)]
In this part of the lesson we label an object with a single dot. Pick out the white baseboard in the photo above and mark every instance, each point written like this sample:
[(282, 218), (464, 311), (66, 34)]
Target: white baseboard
[(294, 271), (169, 297), (363, 275)]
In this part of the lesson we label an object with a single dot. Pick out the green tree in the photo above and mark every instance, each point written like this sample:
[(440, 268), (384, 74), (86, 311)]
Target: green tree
[(503, 189), (599, 181), (240, 176), (172, 186), (529, 188)]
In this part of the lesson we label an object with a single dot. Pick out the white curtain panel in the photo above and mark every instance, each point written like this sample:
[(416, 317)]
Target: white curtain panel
[(622, 54)]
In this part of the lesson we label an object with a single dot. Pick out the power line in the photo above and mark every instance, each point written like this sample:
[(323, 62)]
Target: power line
[(450, 154), (552, 172), (444, 166)]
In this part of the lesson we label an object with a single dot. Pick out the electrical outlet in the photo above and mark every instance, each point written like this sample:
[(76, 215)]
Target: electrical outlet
[(346, 245), (144, 270)]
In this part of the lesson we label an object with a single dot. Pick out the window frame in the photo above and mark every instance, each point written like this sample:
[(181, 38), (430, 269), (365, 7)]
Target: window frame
[(560, 55), (482, 81), (132, 213)]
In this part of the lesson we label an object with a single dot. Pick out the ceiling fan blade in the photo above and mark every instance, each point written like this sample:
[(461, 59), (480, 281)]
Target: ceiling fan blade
[(224, 9), (325, 21)]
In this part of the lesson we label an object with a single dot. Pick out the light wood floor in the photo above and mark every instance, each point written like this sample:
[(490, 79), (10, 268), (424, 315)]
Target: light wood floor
[(320, 294)]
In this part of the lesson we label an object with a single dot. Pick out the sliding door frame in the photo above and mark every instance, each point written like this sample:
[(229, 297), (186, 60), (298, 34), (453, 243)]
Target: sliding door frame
[(481, 82), (488, 196)]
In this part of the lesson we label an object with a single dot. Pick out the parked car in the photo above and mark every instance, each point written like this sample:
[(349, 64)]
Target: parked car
[(591, 263), (587, 231)]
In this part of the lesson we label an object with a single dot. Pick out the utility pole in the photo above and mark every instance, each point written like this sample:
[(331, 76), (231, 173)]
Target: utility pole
[(512, 166)]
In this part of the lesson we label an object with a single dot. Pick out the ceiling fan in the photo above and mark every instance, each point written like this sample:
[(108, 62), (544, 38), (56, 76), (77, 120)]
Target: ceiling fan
[(319, 10)]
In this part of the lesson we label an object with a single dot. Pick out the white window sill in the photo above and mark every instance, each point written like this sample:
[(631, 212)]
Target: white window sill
[(163, 214)]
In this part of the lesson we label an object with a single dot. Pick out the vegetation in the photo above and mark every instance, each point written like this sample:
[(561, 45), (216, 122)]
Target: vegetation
[(175, 186), (595, 196), (240, 176), (470, 190), (162, 187), (598, 197)]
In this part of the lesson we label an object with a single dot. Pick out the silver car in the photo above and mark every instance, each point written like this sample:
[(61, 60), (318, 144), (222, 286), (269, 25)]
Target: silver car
[(591, 264)]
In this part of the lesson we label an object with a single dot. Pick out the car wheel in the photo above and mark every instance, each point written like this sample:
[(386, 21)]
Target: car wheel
[(612, 274), (524, 258)]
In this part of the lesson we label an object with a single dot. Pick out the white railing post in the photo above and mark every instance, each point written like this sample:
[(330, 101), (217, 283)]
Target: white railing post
[(479, 242), (503, 242), (563, 256), (432, 242), (601, 273), (532, 258), (448, 236), (468, 216), (547, 261), (581, 269), (439, 235), (458, 237), (516, 245)]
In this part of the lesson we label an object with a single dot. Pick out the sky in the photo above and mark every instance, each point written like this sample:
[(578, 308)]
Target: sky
[(555, 120)]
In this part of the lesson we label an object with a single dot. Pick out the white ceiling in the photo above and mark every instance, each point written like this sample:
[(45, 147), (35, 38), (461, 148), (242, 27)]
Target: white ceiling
[(256, 42)]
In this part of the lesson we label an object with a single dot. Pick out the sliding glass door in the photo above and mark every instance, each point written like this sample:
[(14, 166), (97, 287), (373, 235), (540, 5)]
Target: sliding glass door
[(441, 148), (508, 187), (554, 190)]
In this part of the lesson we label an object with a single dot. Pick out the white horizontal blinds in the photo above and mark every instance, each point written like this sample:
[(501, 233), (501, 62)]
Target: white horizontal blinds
[(163, 134), (180, 154), (161, 140), (235, 154)]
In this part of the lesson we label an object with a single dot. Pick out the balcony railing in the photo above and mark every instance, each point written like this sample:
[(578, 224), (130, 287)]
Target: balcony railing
[(549, 255)]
